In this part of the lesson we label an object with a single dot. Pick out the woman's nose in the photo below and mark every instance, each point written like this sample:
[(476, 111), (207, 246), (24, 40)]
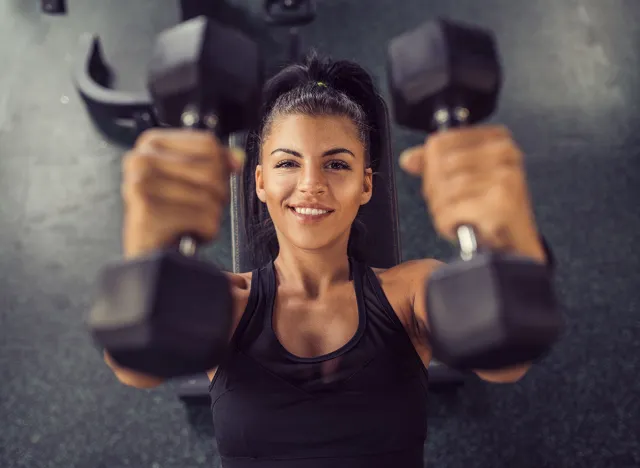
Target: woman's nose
[(312, 179)]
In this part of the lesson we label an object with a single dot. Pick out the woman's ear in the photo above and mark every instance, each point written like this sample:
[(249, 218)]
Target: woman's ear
[(367, 186), (260, 184)]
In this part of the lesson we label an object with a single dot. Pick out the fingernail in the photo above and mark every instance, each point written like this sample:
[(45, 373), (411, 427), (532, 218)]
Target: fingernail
[(239, 156)]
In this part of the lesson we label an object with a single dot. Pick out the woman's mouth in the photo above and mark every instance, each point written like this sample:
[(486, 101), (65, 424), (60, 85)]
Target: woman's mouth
[(309, 216)]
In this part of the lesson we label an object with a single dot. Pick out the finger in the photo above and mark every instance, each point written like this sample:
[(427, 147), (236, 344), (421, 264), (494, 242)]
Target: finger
[(465, 137), (466, 214), (445, 195), (178, 191), (203, 224), (171, 221), (484, 158), (490, 225), (192, 144), (412, 160), (198, 170), (181, 140)]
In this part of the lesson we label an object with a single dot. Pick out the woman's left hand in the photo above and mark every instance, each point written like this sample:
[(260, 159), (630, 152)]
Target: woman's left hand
[(475, 176)]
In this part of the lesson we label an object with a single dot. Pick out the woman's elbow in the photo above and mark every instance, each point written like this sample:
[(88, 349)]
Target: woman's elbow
[(503, 376)]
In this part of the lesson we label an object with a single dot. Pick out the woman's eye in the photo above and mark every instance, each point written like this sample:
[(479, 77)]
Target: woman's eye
[(339, 165), (283, 164), (336, 165)]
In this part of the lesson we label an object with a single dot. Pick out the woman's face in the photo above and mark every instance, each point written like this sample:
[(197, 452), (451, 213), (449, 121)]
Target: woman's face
[(313, 160)]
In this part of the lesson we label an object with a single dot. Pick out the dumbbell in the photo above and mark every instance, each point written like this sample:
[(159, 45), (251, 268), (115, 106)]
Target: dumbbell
[(486, 309), (169, 314), (54, 7), (292, 14)]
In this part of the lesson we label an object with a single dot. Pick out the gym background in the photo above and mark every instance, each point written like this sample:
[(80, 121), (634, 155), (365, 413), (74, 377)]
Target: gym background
[(570, 97)]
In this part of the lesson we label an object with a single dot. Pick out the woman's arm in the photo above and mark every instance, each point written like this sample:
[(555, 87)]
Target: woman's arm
[(415, 273)]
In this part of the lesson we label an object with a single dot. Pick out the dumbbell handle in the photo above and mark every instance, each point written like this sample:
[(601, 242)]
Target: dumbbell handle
[(191, 118), (446, 118)]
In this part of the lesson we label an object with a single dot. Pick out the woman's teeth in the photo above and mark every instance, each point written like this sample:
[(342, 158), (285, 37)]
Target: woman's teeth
[(310, 211)]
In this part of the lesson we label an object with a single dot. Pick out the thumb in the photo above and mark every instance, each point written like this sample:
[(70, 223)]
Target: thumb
[(238, 158), (412, 160)]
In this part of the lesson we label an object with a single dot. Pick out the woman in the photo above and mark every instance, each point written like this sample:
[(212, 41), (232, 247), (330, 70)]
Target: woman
[(328, 355)]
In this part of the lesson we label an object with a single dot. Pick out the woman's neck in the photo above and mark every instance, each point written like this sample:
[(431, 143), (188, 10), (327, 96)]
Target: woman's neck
[(313, 274)]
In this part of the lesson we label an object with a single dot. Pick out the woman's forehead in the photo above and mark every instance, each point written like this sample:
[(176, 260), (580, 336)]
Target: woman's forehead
[(306, 129)]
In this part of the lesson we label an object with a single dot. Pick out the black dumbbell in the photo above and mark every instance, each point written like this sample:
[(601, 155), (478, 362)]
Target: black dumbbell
[(486, 309), (54, 7), (169, 314), (291, 13)]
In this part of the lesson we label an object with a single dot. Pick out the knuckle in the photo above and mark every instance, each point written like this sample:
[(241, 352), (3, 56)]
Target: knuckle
[(149, 137), (461, 182), (505, 148), (136, 191), (136, 163)]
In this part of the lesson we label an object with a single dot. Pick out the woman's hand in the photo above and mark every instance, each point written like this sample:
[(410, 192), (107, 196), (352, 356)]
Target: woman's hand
[(475, 176), (175, 182)]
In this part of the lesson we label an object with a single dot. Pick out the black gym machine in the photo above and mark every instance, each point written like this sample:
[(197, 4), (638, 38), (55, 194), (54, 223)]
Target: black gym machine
[(428, 94)]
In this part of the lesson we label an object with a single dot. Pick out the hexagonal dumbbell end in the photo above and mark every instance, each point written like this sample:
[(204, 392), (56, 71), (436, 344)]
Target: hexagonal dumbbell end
[(443, 64), (165, 315), (492, 311), (204, 64)]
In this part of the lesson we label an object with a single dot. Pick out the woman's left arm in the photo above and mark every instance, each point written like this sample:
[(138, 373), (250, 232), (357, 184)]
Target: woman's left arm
[(415, 274), (474, 176)]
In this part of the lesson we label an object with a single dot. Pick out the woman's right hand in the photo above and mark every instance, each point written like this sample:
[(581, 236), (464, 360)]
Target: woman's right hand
[(175, 183)]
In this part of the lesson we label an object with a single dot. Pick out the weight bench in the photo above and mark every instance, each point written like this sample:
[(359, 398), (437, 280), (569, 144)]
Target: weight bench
[(130, 114)]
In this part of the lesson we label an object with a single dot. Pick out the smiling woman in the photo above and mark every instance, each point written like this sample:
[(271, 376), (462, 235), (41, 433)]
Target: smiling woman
[(312, 162), (341, 95), (321, 365)]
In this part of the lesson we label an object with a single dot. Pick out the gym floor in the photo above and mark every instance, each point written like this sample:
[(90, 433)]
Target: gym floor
[(571, 99)]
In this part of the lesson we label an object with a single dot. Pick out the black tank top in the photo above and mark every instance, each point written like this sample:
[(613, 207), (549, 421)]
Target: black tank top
[(364, 405)]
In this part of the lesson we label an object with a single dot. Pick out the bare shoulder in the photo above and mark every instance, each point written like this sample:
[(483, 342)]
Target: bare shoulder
[(403, 283), (415, 270), (240, 290), (406, 273), (242, 281)]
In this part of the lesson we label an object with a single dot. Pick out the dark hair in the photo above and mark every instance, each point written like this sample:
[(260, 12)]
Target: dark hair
[(317, 86)]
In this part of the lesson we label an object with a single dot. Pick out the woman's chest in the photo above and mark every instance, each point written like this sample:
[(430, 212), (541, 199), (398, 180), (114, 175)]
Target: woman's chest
[(310, 328)]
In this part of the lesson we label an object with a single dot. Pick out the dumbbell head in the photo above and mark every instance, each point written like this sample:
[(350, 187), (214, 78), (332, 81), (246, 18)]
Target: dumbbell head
[(207, 68), (442, 64), (290, 13), (492, 311), (165, 315)]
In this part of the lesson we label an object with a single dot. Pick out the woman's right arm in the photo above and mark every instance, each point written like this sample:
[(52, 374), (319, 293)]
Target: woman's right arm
[(174, 181), (240, 284)]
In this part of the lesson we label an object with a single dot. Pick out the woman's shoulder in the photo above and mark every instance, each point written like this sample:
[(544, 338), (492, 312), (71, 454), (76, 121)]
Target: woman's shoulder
[(241, 281), (400, 282)]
